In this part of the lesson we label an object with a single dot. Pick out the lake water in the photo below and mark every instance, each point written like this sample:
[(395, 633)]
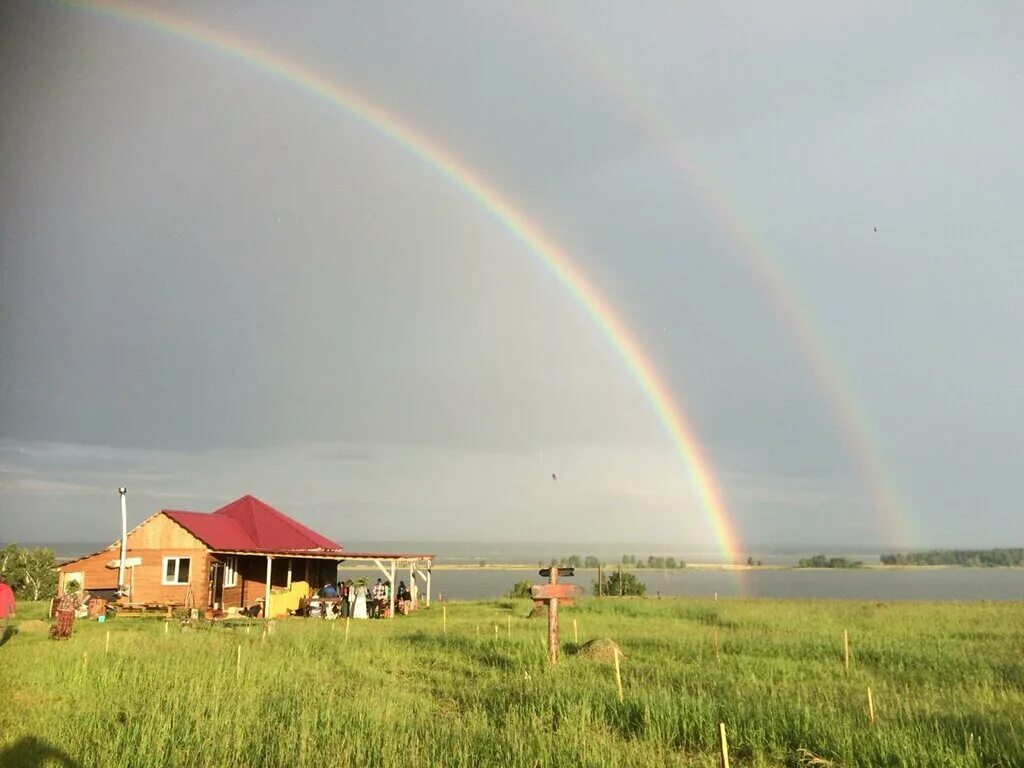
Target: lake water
[(932, 584), (864, 584)]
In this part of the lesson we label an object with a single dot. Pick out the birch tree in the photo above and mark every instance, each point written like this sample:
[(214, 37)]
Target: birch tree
[(37, 572)]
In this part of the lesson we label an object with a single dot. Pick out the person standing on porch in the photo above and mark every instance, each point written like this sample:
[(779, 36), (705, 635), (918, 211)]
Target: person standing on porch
[(359, 606), (343, 594), (377, 596)]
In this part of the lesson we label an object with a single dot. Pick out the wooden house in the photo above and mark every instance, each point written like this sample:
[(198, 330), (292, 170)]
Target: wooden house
[(243, 554)]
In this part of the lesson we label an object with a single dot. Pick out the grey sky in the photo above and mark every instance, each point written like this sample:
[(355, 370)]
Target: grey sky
[(214, 284)]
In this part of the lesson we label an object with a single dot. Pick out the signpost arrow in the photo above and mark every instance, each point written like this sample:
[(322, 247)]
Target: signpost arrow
[(548, 591)]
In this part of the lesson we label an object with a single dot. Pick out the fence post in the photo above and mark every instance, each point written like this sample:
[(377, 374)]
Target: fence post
[(618, 674), (846, 651)]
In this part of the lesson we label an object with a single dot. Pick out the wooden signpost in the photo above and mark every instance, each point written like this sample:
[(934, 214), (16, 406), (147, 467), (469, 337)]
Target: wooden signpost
[(551, 593)]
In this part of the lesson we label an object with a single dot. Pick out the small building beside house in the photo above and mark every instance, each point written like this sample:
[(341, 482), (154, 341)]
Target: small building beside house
[(246, 553)]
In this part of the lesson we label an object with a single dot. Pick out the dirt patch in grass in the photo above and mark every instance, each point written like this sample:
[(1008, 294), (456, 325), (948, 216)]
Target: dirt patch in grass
[(33, 625)]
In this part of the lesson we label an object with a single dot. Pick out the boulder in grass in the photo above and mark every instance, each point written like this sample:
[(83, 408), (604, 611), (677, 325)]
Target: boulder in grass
[(602, 649)]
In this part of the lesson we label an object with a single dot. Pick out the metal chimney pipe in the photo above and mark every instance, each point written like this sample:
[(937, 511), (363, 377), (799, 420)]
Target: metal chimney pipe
[(124, 540)]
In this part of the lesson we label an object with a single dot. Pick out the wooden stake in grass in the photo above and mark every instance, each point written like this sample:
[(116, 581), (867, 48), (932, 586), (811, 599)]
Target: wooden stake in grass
[(238, 661), (263, 637), (106, 647), (723, 743), (167, 626), (716, 645), (871, 707), (846, 651), (495, 631), (618, 674), (575, 633), (509, 617)]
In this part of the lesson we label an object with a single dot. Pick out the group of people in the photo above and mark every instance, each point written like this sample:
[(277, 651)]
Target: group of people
[(348, 599)]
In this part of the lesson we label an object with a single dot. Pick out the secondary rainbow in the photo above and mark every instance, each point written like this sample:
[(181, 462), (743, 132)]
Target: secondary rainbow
[(644, 372), (834, 382)]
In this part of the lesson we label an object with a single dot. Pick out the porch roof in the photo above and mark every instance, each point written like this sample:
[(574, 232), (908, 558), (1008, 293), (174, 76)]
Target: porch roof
[(337, 555)]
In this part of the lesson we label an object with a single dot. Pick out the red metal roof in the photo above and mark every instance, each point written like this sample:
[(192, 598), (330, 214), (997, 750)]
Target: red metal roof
[(341, 555), (251, 525)]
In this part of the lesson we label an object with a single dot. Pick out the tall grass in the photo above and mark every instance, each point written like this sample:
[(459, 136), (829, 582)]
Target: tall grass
[(948, 685)]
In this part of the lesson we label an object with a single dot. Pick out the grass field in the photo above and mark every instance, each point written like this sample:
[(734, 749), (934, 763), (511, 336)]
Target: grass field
[(947, 683)]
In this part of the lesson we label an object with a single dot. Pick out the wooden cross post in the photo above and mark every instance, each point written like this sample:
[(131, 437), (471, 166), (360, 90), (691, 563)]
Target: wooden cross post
[(553, 620), (550, 593)]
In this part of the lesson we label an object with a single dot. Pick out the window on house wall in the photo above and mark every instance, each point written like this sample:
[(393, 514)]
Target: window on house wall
[(230, 571), (176, 570)]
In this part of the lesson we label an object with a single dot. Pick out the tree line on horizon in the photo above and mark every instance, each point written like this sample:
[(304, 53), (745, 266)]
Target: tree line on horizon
[(630, 561), (969, 557), (821, 561)]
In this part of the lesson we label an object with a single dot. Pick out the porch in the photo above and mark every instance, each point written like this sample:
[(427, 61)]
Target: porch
[(281, 581)]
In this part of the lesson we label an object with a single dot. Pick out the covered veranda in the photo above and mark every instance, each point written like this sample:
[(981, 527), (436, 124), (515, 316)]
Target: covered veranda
[(282, 578)]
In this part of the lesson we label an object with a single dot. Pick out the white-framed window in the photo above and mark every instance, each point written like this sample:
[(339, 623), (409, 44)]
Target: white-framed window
[(230, 571), (177, 570)]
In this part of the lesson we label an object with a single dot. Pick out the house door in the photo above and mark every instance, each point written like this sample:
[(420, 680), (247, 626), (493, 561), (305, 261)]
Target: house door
[(216, 586)]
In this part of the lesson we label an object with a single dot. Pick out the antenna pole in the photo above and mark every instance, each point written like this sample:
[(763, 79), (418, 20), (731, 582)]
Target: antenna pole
[(124, 540)]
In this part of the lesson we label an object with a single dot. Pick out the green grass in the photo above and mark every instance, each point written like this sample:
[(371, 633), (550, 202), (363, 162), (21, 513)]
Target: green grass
[(947, 681)]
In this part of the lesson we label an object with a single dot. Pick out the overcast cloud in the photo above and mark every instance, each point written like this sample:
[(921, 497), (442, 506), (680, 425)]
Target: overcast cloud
[(213, 283)]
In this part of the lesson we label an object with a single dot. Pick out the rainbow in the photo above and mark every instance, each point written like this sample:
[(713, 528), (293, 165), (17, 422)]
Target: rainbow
[(471, 183), (834, 382)]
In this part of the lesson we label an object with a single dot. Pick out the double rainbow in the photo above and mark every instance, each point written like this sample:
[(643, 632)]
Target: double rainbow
[(500, 208)]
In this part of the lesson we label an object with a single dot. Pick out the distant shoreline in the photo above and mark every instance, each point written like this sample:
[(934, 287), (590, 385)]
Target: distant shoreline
[(714, 567)]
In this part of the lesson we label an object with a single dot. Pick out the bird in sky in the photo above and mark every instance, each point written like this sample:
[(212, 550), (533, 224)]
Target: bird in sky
[(554, 476)]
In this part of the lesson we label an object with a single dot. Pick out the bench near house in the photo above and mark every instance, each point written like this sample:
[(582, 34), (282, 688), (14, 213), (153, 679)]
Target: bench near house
[(244, 553)]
